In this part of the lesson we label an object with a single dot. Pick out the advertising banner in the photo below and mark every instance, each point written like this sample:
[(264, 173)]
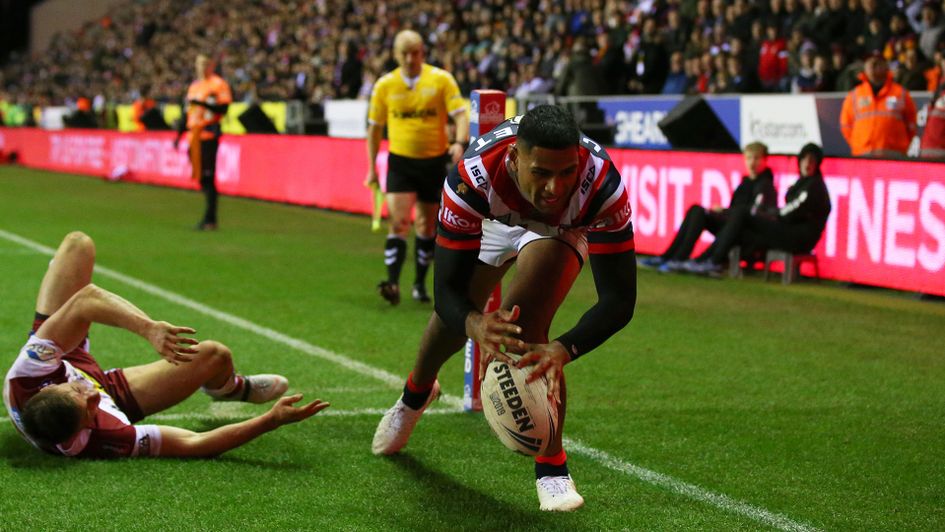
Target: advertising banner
[(784, 123), (635, 119), (887, 226)]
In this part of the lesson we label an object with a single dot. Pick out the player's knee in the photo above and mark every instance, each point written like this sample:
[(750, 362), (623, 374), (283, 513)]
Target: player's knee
[(215, 353), (400, 227), (88, 292)]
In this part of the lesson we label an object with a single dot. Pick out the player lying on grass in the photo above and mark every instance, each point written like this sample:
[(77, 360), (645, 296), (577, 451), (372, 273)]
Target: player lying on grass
[(61, 401), (534, 192)]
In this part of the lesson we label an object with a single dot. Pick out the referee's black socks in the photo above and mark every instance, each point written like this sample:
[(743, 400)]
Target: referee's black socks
[(395, 252), (423, 254)]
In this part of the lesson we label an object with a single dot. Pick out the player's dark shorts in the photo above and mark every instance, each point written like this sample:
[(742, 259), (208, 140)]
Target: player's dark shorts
[(422, 176), (113, 380)]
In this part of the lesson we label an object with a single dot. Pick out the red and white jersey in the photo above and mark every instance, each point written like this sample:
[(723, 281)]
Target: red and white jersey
[(41, 363), (480, 187)]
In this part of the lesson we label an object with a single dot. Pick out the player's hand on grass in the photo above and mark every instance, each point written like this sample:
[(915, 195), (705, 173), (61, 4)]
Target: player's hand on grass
[(283, 412), (371, 180), (492, 332), (169, 343), (548, 360)]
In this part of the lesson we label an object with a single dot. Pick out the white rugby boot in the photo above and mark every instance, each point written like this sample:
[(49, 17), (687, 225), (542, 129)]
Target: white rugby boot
[(558, 494), (264, 388), (397, 424)]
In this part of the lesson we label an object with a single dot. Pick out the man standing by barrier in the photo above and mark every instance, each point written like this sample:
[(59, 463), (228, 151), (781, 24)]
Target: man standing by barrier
[(415, 102), (878, 117), (208, 98)]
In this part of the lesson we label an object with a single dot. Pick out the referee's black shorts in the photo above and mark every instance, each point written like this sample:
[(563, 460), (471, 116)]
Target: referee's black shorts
[(422, 176)]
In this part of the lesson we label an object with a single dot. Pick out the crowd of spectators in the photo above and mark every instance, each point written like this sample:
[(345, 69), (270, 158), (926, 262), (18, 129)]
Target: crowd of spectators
[(323, 49)]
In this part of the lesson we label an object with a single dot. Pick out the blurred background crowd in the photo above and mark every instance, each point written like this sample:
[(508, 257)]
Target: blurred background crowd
[(335, 49)]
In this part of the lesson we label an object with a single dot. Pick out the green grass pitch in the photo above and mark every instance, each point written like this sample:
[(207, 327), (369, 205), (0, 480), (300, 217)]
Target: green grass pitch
[(724, 405)]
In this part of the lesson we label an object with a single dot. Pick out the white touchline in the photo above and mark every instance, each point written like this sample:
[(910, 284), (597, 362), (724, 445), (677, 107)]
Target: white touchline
[(455, 403)]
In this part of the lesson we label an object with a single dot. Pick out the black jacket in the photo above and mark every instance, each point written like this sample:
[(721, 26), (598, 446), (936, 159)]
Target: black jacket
[(805, 212), (757, 195)]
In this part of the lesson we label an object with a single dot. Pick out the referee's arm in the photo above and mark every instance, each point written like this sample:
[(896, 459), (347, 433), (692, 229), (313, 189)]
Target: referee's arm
[(374, 133)]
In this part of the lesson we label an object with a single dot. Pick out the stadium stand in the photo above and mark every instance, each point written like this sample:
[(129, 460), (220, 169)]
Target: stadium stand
[(315, 51)]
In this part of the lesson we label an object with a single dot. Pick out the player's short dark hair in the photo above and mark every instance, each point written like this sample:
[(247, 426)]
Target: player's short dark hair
[(548, 126), (50, 417)]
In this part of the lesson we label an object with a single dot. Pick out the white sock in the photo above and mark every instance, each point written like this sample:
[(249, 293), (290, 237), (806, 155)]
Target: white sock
[(233, 385)]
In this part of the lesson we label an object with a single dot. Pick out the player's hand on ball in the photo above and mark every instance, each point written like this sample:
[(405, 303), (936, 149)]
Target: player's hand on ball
[(548, 360), (492, 332), (168, 342), (284, 411)]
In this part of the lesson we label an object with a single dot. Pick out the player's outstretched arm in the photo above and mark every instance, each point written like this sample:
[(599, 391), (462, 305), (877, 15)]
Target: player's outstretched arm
[(182, 443), (69, 325), (615, 279)]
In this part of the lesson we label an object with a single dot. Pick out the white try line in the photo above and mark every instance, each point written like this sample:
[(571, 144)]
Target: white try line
[(454, 403)]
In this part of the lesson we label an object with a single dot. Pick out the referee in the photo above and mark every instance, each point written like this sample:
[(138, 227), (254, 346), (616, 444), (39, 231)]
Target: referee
[(414, 101)]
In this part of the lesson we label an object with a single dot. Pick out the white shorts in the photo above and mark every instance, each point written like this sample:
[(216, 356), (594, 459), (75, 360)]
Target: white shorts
[(501, 243)]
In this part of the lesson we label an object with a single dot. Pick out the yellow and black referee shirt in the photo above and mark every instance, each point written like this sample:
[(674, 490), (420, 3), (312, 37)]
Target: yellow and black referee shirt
[(416, 112)]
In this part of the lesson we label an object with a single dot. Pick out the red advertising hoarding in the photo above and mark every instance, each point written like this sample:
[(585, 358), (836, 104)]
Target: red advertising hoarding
[(887, 227)]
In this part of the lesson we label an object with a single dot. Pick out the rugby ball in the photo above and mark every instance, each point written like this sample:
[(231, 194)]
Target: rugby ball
[(520, 414)]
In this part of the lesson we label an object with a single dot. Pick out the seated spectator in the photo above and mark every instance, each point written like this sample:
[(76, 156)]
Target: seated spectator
[(936, 73), (742, 82), (675, 32), (825, 78), (532, 83), (773, 59), (875, 37), (755, 192), (677, 82), (911, 73), (650, 63), (933, 29), (847, 73), (806, 79), (901, 37), (581, 77), (796, 227)]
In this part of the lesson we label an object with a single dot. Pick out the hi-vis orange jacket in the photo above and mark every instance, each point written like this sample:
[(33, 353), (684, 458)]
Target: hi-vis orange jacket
[(881, 124)]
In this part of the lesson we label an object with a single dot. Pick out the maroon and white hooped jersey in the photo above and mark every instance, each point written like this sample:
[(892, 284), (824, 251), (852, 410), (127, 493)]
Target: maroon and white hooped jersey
[(41, 363), (480, 187)]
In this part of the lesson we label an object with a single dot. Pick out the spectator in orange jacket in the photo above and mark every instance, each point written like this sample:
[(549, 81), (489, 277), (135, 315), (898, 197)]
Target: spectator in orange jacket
[(878, 117)]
